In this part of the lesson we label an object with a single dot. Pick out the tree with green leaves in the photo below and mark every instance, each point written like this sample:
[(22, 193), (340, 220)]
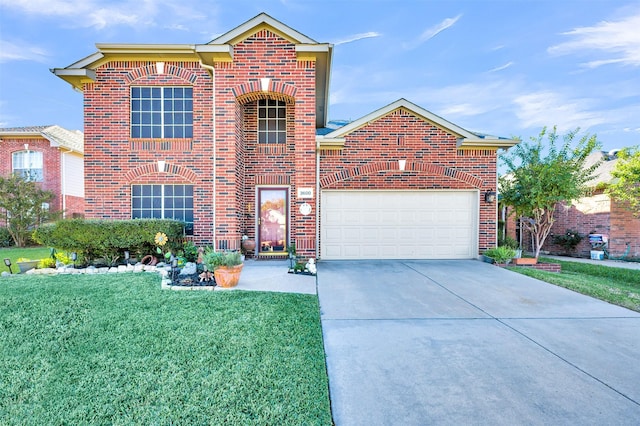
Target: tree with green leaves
[(541, 174), (626, 183), (25, 206)]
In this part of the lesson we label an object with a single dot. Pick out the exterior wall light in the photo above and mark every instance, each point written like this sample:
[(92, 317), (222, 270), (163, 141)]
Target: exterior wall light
[(490, 196)]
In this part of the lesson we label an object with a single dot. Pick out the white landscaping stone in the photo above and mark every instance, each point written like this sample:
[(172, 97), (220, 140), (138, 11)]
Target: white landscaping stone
[(113, 270), (130, 268), (149, 268), (138, 268), (189, 268), (5, 274), (103, 270), (122, 268)]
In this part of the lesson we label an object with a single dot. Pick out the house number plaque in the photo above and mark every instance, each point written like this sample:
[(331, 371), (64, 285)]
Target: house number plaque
[(305, 192)]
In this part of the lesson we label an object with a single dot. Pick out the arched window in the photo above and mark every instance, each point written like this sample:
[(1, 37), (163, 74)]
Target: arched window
[(28, 164)]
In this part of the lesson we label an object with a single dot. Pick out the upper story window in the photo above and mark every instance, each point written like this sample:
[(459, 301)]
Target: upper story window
[(28, 164), (161, 112), (272, 121)]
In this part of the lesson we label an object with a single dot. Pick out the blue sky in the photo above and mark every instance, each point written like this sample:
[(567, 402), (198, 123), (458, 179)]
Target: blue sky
[(506, 68)]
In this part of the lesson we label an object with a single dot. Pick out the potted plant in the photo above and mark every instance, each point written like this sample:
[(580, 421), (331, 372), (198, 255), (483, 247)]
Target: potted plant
[(226, 267), (26, 264), (500, 254)]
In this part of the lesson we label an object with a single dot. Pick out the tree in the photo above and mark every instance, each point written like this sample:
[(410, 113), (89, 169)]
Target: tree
[(25, 206), (626, 184), (540, 175)]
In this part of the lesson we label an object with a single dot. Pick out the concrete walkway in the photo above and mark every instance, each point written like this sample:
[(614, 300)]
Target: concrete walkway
[(605, 262), (465, 342)]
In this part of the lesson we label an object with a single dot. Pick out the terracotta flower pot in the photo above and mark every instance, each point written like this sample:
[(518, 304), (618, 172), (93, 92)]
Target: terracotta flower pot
[(249, 244), (227, 276)]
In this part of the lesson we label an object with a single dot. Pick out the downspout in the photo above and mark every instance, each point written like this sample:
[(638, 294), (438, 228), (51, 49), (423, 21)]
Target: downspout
[(213, 131), (317, 198)]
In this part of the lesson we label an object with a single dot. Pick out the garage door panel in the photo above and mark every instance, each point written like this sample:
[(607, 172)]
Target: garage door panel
[(399, 224)]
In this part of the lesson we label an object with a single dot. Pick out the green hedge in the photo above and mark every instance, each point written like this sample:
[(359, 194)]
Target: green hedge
[(108, 239)]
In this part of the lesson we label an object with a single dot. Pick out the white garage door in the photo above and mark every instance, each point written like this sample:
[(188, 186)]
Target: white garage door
[(399, 224)]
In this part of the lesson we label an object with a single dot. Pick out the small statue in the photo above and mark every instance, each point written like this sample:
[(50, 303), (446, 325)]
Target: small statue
[(311, 266)]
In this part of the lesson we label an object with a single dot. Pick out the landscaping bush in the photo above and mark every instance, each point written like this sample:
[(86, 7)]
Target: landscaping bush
[(5, 237), (107, 240), (500, 254), (569, 240)]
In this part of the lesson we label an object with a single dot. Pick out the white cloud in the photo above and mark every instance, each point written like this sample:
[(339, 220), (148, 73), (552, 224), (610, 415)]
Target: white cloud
[(357, 37), (618, 41), (548, 108), (502, 67), (433, 31), (100, 14), (21, 51)]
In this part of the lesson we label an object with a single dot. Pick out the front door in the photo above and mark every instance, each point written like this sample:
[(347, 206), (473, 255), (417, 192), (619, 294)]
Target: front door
[(273, 213)]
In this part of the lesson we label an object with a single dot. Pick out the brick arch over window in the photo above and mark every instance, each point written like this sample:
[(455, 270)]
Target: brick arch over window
[(152, 168), (150, 70), (252, 91), (379, 166)]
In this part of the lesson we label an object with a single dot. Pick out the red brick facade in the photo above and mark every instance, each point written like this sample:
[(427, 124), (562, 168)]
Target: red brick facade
[(260, 60), (605, 216), (369, 160), (51, 165), (610, 219)]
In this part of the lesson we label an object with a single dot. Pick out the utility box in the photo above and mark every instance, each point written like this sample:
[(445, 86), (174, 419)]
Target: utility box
[(597, 255)]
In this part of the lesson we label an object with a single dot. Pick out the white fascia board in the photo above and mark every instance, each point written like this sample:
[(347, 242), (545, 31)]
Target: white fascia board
[(403, 103), (260, 19)]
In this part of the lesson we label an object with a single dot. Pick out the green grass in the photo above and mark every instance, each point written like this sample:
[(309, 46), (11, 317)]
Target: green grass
[(13, 253), (614, 285), (111, 349)]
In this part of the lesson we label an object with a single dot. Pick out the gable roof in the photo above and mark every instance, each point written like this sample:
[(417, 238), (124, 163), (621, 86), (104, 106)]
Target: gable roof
[(219, 49), (242, 31), (56, 135), (466, 139)]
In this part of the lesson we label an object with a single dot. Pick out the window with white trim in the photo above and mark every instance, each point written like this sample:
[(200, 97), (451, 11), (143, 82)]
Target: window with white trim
[(163, 202), (272, 121), (161, 112), (28, 164)]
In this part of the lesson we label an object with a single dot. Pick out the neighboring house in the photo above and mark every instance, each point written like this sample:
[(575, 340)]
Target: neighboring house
[(51, 156), (598, 214), (232, 137)]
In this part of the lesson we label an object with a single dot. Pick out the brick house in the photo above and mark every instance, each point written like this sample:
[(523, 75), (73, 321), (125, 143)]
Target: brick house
[(50, 155), (233, 137), (597, 213)]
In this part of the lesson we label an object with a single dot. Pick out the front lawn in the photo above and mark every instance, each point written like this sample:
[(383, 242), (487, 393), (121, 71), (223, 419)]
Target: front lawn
[(15, 253), (115, 349), (614, 285)]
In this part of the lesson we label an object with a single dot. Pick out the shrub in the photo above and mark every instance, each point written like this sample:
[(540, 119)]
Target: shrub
[(5, 237), (108, 239), (190, 251), (500, 254), (508, 242), (569, 240)]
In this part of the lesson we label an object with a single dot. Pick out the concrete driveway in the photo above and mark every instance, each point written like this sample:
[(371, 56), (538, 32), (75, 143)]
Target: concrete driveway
[(465, 342)]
